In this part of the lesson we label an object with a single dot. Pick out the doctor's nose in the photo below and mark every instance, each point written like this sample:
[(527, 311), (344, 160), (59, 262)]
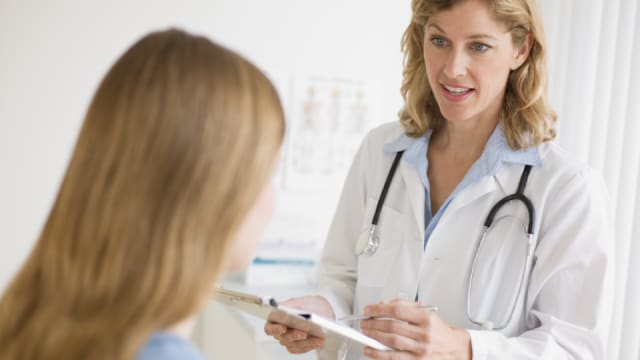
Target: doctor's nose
[(456, 65)]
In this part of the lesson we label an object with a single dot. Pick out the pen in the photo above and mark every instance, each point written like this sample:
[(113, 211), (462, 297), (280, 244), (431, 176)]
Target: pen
[(357, 317)]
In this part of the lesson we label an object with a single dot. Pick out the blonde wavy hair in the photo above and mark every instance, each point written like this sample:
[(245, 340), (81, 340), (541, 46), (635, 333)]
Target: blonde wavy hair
[(179, 140), (527, 116)]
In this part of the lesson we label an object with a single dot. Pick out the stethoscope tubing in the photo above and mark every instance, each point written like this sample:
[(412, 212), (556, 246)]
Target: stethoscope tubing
[(385, 188), (518, 195)]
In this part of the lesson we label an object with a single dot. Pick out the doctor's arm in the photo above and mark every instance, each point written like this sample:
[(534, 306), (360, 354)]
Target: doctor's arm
[(570, 290)]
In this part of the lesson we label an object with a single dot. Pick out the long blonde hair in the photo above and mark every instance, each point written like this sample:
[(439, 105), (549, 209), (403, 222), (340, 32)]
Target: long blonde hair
[(527, 117), (178, 141)]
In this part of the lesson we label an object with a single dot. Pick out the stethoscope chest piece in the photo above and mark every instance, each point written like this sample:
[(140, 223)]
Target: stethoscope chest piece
[(368, 242)]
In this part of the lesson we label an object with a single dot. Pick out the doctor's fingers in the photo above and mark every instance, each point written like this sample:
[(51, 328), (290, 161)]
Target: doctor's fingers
[(388, 355), (408, 311), (401, 344), (400, 328), (283, 333), (275, 329), (303, 346)]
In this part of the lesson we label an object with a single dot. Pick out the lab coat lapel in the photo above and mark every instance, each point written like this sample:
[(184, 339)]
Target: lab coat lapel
[(505, 181), (475, 191), (415, 193), (508, 177)]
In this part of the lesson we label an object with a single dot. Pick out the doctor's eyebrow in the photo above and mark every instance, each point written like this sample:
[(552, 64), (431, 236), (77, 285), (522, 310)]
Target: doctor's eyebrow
[(472, 37)]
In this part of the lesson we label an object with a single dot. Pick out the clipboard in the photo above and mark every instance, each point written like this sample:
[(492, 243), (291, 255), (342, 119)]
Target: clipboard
[(266, 307)]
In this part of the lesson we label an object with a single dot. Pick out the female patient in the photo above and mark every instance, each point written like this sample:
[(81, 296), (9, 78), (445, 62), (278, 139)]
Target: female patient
[(167, 189)]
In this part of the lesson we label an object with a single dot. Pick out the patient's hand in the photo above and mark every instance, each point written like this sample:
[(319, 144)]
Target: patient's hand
[(298, 341)]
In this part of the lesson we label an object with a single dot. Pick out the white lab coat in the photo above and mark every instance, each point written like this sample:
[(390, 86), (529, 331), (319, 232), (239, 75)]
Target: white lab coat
[(566, 300)]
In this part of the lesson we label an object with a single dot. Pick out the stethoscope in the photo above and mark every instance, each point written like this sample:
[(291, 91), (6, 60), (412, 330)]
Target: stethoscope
[(368, 245), (369, 242)]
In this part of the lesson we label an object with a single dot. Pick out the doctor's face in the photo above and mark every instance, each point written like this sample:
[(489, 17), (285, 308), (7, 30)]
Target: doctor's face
[(468, 56)]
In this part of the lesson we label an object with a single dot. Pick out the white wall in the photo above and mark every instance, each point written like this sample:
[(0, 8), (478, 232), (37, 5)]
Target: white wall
[(53, 53)]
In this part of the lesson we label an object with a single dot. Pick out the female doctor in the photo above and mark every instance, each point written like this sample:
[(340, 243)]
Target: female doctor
[(482, 216)]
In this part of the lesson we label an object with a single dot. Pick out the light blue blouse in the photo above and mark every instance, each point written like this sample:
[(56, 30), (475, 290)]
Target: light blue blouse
[(167, 346), (496, 153)]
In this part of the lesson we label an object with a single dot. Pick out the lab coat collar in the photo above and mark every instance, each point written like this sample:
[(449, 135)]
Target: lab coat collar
[(496, 154), (494, 161), (506, 156), (401, 142), (496, 150)]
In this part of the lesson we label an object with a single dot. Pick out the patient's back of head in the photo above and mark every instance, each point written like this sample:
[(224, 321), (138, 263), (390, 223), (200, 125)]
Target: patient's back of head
[(177, 143)]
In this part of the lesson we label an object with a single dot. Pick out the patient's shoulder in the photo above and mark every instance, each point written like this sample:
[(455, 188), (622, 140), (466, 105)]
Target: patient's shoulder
[(167, 346)]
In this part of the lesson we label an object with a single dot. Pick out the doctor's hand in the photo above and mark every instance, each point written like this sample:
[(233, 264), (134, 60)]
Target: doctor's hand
[(298, 341), (414, 332)]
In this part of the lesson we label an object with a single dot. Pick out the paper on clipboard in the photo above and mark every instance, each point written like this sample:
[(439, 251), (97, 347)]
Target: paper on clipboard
[(267, 308)]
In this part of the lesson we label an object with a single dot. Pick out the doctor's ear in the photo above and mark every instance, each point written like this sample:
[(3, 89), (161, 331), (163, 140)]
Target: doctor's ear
[(522, 52)]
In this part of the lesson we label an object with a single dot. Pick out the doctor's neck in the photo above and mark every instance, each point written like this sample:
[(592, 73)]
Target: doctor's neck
[(464, 140)]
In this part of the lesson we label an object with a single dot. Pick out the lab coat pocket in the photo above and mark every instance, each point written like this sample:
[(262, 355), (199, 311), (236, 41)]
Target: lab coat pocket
[(374, 269), (497, 284)]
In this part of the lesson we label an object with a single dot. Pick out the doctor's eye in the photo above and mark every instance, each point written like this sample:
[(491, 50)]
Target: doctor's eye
[(480, 47), (438, 42)]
